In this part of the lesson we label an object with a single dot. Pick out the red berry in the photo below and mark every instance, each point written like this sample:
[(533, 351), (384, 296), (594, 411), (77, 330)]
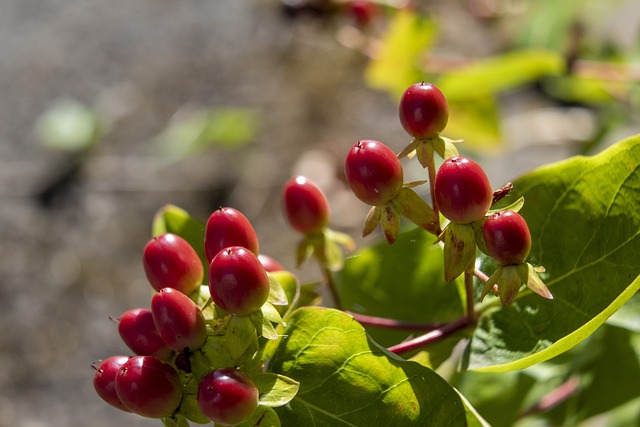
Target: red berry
[(178, 320), (139, 333), (423, 110), (104, 381), (227, 396), (507, 237), (228, 227), (149, 387), (363, 12), (462, 190), (305, 205), (270, 265), (237, 281), (169, 261), (373, 172)]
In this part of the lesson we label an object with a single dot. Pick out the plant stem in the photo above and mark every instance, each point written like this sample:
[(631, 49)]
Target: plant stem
[(431, 337), (382, 322), (554, 398), (431, 169), (480, 275), (468, 287), (331, 285)]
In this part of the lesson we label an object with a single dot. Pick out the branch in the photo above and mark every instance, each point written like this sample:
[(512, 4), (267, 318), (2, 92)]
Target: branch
[(382, 322), (431, 337), (554, 398)]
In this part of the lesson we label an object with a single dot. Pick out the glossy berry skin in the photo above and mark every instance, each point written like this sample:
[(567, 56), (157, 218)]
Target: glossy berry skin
[(139, 333), (237, 281), (507, 237), (149, 387), (424, 111), (305, 205), (228, 227), (462, 190), (104, 380), (270, 265), (373, 172), (227, 396), (178, 320), (169, 261)]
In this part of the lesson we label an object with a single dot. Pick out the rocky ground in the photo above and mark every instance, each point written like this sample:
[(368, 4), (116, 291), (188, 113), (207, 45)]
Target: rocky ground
[(70, 253)]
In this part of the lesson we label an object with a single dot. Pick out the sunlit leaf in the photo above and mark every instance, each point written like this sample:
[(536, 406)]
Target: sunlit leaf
[(346, 379), (586, 233)]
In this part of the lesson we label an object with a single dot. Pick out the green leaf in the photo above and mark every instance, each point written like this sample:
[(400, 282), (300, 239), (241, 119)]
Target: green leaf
[(275, 390), (263, 325), (239, 334), (172, 219), (396, 64), (346, 379), (277, 296), (264, 416), (404, 281), (585, 228)]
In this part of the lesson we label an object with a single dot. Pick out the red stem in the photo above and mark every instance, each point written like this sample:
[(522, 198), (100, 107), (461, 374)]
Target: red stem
[(382, 322), (555, 397), (431, 337)]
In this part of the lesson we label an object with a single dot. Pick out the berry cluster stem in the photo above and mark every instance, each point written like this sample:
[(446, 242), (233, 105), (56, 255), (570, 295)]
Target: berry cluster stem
[(331, 285), (383, 322), (468, 287), (431, 170), (432, 336)]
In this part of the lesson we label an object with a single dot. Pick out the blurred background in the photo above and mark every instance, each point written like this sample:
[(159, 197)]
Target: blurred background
[(111, 109)]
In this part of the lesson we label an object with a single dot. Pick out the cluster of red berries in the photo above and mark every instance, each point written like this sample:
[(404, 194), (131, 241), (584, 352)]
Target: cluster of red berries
[(460, 191), (184, 316)]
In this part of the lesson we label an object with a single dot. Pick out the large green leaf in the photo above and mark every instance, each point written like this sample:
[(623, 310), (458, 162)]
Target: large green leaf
[(403, 281), (585, 226), (346, 379)]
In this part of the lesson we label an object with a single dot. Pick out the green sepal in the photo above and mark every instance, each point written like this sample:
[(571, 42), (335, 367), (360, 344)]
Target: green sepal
[(390, 223), (515, 206), (477, 230), (529, 276), (271, 313), (277, 295), (263, 325), (238, 335), (445, 147), (509, 284), (415, 209), (424, 152), (304, 250), (342, 239), (328, 253), (371, 220), (459, 249), (409, 149), (275, 389), (263, 416), (413, 184), (291, 286), (489, 284)]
